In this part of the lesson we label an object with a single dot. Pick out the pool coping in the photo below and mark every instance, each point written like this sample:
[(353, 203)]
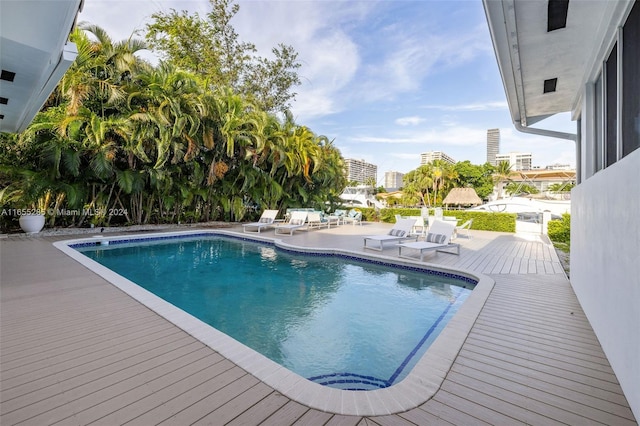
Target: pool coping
[(417, 387)]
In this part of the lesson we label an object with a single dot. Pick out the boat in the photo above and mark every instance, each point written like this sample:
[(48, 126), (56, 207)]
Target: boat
[(360, 196), (524, 206)]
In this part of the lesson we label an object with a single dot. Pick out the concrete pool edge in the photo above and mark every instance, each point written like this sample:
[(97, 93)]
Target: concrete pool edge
[(418, 387)]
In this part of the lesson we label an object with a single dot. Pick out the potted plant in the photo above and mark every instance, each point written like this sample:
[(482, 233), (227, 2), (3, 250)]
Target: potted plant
[(32, 222), (27, 197)]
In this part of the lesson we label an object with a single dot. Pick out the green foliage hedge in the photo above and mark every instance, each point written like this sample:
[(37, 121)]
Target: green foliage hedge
[(559, 231), (485, 221)]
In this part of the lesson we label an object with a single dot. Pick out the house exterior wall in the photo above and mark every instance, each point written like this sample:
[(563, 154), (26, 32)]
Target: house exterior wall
[(605, 267), (605, 213)]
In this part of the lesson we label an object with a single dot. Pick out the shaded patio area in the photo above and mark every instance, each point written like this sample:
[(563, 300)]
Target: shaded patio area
[(76, 350)]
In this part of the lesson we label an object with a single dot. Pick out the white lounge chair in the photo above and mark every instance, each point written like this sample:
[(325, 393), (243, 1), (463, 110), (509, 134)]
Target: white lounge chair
[(401, 231), (438, 239), (464, 227), (297, 221), (315, 220), (266, 220)]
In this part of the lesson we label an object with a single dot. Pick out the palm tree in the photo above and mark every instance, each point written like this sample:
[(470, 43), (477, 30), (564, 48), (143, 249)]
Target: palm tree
[(417, 183), (166, 112), (101, 69), (502, 175)]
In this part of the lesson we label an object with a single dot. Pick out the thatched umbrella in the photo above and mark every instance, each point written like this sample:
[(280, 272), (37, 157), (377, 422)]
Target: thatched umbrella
[(462, 197)]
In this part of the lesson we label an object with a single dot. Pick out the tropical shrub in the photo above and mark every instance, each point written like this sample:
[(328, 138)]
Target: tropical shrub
[(559, 231), (156, 144), (486, 221)]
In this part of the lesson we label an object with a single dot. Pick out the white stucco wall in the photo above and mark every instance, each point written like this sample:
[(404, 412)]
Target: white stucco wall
[(605, 265)]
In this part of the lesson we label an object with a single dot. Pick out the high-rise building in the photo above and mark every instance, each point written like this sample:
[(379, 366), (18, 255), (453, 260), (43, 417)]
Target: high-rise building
[(393, 180), (493, 146), (559, 167), (518, 160), (431, 156), (360, 171)]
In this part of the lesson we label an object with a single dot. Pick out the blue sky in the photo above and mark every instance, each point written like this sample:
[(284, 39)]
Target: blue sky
[(387, 80)]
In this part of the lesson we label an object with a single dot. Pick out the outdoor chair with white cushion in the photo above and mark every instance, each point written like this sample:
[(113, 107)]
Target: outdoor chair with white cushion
[(336, 217), (315, 220), (438, 239), (297, 221), (401, 231), (465, 227), (354, 216), (266, 220)]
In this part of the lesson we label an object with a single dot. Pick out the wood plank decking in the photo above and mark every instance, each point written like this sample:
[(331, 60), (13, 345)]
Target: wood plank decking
[(76, 350)]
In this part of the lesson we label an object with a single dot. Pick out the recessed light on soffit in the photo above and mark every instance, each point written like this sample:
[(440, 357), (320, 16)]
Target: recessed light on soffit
[(550, 85), (7, 75)]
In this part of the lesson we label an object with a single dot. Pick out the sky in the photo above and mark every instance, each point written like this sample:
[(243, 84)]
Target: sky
[(385, 80)]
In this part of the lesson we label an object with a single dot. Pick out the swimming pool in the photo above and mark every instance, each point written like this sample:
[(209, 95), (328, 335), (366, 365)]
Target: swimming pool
[(339, 322), (420, 384)]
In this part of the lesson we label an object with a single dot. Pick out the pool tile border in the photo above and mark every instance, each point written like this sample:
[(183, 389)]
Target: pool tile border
[(415, 389)]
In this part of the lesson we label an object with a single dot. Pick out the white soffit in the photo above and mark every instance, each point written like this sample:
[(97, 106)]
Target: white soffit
[(33, 35), (528, 54)]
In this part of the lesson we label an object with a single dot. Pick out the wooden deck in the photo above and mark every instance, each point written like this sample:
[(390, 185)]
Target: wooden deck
[(76, 350)]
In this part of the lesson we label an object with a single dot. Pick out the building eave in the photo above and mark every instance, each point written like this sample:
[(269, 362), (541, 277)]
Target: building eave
[(34, 46), (528, 55)]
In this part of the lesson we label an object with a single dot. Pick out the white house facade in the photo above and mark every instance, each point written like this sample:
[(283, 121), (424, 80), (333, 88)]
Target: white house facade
[(583, 56)]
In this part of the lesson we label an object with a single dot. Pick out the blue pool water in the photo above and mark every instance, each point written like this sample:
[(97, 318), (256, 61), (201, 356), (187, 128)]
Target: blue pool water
[(337, 321)]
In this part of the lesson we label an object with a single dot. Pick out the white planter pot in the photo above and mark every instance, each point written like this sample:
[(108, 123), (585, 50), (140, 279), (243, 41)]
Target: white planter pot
[(32, 223)]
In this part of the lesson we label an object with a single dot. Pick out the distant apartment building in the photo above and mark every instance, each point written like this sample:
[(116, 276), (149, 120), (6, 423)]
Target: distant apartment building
[(559, 167), (431, 156), (360, 171), (518, 160), (393, 181), (493, 146)]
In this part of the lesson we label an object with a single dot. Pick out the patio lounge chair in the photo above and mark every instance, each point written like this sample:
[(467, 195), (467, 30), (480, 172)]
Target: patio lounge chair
[(401, 231), (315, 220), (464, 227), (266, 220), (297, 221), (438, 239)]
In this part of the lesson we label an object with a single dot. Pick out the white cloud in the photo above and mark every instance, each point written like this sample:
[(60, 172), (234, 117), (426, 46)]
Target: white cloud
[(449, 120), (454, 136), (329, 56), (121, 18), (409, 121), (406, 156), (312, 104), (408, 59), (477, 106)]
